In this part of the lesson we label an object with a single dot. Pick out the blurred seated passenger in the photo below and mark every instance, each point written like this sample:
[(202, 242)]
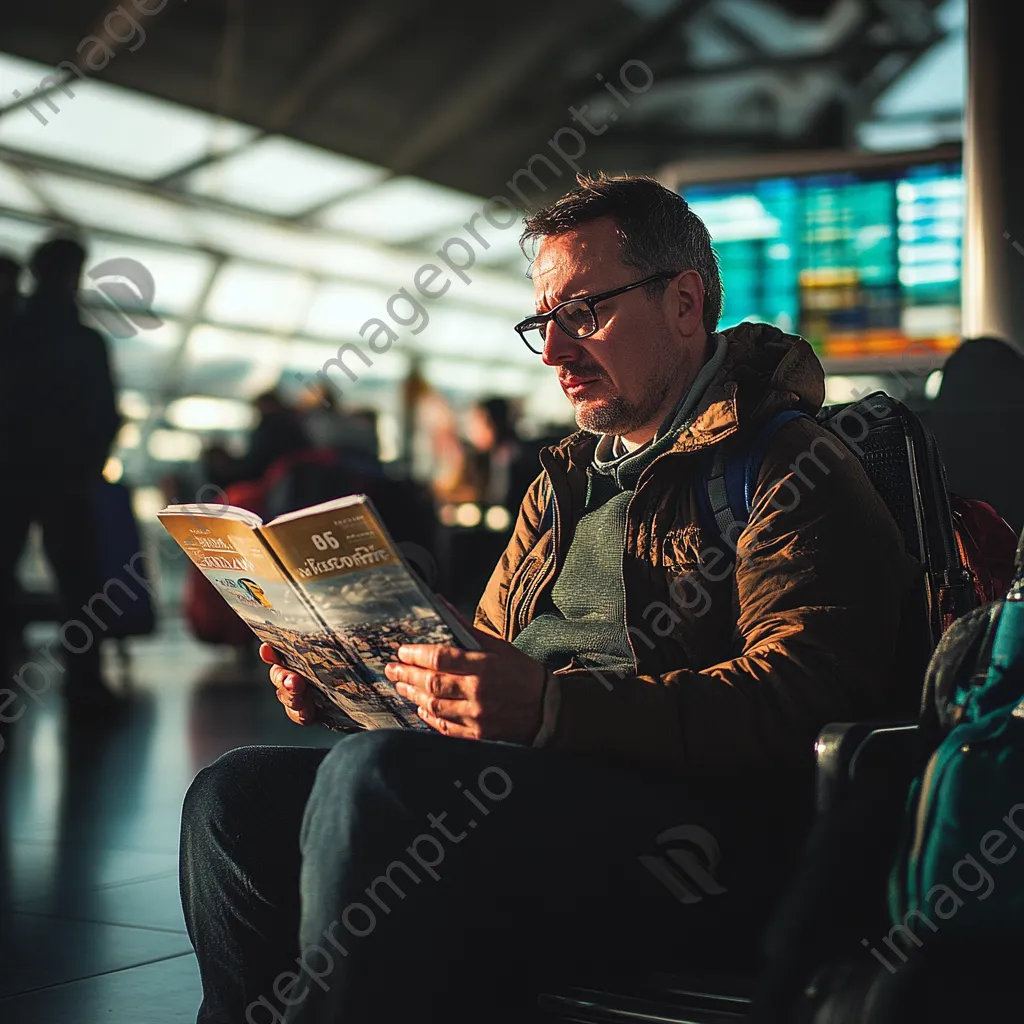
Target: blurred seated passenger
[(216, 466), (636, 705), (978, 420), (329, 426), (504, 467), (278, 432), (60, 423)]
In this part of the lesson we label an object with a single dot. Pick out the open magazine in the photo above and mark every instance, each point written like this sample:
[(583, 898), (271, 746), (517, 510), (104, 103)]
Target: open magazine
[(326, 587)]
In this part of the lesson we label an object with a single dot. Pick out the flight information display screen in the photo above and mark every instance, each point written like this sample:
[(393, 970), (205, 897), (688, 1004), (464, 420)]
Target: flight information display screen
[(860, 263)]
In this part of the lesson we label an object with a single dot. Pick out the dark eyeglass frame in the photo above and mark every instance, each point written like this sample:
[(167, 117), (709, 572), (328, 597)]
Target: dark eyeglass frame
[(540, 320)]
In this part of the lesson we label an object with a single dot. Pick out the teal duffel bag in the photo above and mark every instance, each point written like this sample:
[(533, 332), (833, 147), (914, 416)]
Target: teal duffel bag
[(960, 871)]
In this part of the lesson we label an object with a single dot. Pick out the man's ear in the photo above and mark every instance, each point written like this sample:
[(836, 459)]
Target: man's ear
[(684, 297)]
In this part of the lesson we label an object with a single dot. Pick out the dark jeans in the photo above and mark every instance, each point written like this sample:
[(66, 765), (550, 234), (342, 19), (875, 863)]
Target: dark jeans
[(408, 876), (63, 509)]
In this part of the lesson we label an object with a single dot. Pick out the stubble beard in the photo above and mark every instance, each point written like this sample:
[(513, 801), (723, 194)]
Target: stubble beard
[(618, 415)]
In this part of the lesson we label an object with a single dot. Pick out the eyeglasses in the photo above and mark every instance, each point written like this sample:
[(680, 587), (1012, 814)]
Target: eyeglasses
[(577, 317)]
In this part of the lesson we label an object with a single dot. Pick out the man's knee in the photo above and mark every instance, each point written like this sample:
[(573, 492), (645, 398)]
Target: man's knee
[(382, 755), (219, 789)]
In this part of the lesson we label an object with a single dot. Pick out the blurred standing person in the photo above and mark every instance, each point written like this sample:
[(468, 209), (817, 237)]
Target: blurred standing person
[(59, 431), (10, 272)]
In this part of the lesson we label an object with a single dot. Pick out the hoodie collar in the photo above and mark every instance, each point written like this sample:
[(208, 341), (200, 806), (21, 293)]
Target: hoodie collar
[(763, 372), (611, 458)]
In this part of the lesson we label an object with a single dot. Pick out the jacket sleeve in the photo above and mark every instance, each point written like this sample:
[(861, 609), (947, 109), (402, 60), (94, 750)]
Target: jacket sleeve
[(821, 580), (490, 613)]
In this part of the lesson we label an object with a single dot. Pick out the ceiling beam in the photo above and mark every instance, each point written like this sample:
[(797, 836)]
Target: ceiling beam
[(781, 64), (475, 96), (353, 40), (61, 80)]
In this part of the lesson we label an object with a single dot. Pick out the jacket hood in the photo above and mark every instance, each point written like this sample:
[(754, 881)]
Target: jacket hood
[(765, 371)]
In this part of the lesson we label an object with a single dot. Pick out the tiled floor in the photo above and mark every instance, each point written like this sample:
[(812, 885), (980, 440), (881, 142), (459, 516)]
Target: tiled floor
[(90, 922)]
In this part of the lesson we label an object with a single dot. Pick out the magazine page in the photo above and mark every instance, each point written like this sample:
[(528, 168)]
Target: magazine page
[(234, 559), (358, 584)]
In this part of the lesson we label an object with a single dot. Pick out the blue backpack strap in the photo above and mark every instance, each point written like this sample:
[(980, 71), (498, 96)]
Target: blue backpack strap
[(727, 494)]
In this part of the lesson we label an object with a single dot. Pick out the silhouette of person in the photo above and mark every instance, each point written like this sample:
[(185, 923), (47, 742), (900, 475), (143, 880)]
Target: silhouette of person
[(278, 432), (10, 271), (59, 432), (978, 420)]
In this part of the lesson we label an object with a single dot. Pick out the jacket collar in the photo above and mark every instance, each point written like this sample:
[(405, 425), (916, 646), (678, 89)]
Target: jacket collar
[(764, 372)]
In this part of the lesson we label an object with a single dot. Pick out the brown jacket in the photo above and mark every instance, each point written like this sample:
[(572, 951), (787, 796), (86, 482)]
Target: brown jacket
[(733, 669)]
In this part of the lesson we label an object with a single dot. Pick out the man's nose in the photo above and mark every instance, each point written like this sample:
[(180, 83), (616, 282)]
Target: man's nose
[(559, 348)]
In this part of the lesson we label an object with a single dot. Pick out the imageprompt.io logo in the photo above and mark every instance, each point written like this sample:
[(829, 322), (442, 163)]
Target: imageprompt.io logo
[(687, 867), (122, 301)]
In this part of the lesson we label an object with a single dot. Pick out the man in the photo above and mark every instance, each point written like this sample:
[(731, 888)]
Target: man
[(57, 430), (630, 711)]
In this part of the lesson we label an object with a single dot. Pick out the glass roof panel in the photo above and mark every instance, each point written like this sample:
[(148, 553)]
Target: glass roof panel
[(510, 294), (251, 296), (339, 310), (242, 236), (281, 176), (18, 75), (231, 364), (20, 237), (178, 276), (118, 130), (306, 358), (15, 194), (400, 210), (141, 362), (200, 412), (118, 209), (935, 83), (476, 335), (451, 376)]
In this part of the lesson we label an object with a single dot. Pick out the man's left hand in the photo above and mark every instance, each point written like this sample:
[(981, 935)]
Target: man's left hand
[(491, 694)]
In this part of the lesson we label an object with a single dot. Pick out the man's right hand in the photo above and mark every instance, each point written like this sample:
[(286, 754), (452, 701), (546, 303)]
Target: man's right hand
[(292, 689)]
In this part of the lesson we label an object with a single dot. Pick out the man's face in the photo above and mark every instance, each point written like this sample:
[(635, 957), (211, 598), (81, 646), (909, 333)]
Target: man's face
[(625, 378)]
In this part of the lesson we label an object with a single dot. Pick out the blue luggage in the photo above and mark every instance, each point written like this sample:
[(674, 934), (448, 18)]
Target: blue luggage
[(123, 599), (957, 873)]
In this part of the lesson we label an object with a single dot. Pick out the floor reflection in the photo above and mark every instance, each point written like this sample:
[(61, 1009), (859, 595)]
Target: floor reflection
[(89, 814)]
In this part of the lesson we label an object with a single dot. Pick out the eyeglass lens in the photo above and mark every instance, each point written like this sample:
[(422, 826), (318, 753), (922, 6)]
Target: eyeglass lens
[(575, 319)]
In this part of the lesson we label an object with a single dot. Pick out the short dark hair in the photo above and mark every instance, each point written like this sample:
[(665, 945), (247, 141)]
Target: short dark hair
[(657, 229), (57, 259)]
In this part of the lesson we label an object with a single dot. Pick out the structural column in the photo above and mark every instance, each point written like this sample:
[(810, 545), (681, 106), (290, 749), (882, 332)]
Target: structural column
[(993, 270)]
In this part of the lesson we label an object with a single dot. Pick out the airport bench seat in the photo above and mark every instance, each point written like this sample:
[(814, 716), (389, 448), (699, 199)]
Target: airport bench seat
[(880, 757)]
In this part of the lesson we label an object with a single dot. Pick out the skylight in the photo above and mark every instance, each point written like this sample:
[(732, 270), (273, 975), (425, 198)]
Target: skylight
[(20, 237), (258, 297), (178, 276), (401, 210), (110, 207), (104, 126), (231, 364), (15, 194), (19, 76), (339, 310), (280, 176)]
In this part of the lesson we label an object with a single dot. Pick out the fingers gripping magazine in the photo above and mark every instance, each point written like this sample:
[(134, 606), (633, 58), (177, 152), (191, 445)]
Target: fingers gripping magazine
[(328, 589)]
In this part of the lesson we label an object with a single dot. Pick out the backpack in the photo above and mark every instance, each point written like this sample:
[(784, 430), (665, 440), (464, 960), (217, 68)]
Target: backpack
[(965, 548), (965, 812)]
